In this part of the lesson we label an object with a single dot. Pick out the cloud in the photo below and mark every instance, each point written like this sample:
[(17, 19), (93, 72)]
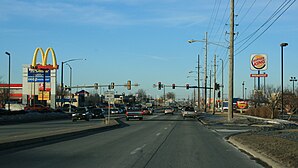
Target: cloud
[(98, 12)]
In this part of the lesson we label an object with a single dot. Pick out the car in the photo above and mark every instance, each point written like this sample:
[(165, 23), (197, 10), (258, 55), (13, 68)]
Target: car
[(134, 114), (169, 111), (81, 113), (68, 107), (189, 112), (38, 108), (145, 111), (98, 113), (114, 111)]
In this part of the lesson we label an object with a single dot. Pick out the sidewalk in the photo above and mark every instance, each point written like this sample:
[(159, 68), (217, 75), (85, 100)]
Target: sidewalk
[(19, 135), (275, 142)]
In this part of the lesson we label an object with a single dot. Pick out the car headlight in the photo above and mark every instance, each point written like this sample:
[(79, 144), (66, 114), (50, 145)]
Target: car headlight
[(73, 114)]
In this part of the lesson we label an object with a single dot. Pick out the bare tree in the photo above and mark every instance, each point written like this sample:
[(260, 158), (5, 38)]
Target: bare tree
[(171, 95), (141, 95)]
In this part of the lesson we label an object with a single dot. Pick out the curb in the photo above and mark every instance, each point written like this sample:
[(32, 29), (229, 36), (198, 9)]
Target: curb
[(257, 155), (48, 139)]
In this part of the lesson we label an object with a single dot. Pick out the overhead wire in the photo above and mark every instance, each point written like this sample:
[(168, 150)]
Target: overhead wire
[(279, 10), (255, 18), (267, 27)]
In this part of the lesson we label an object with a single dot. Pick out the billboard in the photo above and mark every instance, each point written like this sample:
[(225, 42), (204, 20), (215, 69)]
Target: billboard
[(258, 62), (35, 75)]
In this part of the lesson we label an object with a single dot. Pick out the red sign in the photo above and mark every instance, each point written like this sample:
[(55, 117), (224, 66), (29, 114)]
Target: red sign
[(258, 75)]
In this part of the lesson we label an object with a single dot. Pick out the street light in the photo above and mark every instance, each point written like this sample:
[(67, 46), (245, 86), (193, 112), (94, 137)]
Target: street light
[(243, 90), (282, 45), (7, 53), (205, 63), (293, 79), (62, 86), (70, 82)]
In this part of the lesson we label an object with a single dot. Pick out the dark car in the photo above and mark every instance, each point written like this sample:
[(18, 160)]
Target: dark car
[(81, 113), (134, 114), (98, 113)]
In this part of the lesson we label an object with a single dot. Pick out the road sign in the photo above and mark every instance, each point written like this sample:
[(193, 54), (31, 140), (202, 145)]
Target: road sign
[(258, 75), (109, 96)]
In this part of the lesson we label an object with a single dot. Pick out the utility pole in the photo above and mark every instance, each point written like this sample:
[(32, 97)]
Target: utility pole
[(214, 98), (222, 86), (205, 71), (210, 89), (231, 65), (199, 101)]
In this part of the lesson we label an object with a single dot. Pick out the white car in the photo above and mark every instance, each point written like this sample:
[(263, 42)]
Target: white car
[(189, 112), (169, 111)]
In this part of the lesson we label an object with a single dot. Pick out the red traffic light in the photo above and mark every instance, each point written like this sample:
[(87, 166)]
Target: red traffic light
[(173, 86)]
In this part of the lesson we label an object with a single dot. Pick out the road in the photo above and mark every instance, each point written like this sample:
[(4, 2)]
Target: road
[(158, 141)]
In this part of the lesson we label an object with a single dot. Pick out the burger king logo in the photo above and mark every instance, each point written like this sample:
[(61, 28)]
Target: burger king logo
[(258, 62)]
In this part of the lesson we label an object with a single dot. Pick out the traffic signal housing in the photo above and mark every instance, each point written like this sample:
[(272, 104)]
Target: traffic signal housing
[(112, 85), (216, 86), (159, 85), (129, 85), (187, 86), (173, 86)]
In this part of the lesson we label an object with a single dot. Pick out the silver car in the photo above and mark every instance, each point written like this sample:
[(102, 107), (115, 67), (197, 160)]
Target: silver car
[(189, 112)]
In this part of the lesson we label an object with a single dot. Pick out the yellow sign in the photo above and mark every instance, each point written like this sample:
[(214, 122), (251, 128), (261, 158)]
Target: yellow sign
[(44, 56), (44, 95)]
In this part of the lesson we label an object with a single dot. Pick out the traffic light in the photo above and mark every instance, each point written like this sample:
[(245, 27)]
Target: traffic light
[(218, 94), (173, 86), (129, 85), (216, 86), (187, 86), (112, 85), (96, 86), (159, 85)]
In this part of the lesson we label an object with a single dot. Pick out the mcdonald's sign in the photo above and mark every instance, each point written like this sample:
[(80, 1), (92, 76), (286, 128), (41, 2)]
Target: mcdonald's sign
[(44, 56)]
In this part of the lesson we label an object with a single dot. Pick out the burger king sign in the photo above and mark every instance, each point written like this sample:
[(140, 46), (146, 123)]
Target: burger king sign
[(258, 62)]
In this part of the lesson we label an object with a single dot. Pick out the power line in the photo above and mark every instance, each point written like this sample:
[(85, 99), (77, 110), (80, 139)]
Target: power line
[(267, 21), (258, 15), (267, 28)]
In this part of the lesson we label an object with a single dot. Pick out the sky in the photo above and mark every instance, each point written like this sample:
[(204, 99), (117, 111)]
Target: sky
[(145, 41)]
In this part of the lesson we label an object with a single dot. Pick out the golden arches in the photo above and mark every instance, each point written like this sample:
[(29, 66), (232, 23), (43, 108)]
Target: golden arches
[(44, 56)]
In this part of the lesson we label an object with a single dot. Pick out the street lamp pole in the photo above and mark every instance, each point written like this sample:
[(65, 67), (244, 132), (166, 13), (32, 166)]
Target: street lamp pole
[(282, 45), (70, 84), (243, 90), (293, 79), (62, 86), (7, 53)]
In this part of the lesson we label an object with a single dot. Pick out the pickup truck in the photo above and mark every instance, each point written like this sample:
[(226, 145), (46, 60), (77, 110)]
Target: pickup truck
[(134, 115)]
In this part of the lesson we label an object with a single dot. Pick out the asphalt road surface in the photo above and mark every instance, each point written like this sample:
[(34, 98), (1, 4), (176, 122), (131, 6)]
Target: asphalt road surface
[(158, 141)]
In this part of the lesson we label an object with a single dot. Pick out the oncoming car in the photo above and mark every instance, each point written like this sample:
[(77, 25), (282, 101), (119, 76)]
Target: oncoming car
[(81, 113)]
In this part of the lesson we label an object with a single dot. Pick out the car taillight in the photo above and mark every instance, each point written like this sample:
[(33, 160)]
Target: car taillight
[(142, 113)]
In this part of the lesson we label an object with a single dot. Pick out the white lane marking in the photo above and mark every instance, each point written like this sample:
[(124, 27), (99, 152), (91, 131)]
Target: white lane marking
[(166, 128), (137, 149), (158, 134)]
